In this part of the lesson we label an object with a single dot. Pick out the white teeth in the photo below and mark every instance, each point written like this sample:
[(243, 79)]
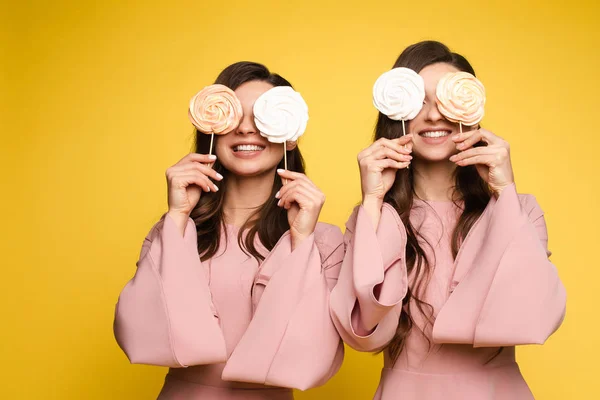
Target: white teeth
[(435, 134), (248, 147)]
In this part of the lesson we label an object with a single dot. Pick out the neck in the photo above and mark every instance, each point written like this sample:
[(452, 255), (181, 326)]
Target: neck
[(434, 181), (244, 195)]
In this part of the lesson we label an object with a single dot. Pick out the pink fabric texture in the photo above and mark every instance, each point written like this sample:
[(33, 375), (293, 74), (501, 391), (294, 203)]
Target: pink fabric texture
[(501, 291), (230, 328)]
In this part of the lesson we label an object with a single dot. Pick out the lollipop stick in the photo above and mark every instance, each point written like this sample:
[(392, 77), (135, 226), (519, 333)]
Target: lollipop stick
[(460, 126), (212, 136), (404, 134), (284, 161)]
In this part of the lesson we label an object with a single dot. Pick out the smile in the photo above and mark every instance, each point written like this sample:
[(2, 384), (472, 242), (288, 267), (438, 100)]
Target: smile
[(434, 134), (248, 147)]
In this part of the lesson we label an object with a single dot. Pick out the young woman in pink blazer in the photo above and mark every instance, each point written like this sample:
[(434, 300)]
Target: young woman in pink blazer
[(232, 286), (446, 267)]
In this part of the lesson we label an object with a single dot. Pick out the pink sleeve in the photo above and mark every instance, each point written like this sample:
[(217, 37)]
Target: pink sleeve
[(291, 340), (367, 301), (510, 293), (165, 315)]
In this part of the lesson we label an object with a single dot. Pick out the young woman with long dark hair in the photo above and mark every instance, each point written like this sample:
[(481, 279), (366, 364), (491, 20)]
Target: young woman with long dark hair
[(446, 267), (232, 285)]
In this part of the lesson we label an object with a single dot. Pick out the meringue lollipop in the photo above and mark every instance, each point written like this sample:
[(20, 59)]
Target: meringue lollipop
[(215, 110), (281, 115), (399, 94), (460, 97)]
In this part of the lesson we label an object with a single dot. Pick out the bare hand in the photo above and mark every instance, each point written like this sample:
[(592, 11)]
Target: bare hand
[(492, 161), (303, 202), (187, 179), (378, 164)]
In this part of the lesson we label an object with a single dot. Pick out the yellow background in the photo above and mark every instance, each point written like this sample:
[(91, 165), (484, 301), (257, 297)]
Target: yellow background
[(94, 98)]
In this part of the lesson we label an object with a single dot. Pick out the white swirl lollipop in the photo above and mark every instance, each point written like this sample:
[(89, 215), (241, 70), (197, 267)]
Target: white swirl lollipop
[(281, 114), (399, 94)]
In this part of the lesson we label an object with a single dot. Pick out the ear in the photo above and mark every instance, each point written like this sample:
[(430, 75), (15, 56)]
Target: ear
[(289, 146)]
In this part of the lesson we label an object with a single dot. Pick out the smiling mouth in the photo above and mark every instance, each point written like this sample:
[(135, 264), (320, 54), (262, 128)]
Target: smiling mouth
[(247, 147), (435, 134)]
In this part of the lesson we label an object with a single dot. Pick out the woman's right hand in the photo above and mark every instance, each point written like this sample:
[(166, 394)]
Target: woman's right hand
[(186, 181), (378, 164)]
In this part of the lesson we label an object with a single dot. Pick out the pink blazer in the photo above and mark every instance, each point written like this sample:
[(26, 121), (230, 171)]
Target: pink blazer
[(165, 315), (506, 292)]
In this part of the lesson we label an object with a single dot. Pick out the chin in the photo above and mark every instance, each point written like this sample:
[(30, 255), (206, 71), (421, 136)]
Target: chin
[(433, 156), (250, 171), (246, 173)]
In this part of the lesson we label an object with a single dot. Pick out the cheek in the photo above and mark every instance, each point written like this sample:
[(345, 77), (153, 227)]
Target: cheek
[(414, 122), (221, 144), (275, 153), (276, 148), (218, 150)]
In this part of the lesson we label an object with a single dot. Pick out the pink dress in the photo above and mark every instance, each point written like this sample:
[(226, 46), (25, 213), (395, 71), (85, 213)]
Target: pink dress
[(230, 328), (501, 291)]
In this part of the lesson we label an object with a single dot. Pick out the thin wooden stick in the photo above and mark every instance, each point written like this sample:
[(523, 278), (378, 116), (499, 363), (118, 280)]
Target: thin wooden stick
[(212, 137), (404, 134), (284, 161)]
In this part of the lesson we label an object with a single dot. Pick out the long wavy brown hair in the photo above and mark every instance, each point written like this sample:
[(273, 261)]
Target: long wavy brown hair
[(268, 221), (471, 193)]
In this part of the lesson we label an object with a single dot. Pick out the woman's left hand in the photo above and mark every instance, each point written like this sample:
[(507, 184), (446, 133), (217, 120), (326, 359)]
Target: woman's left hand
[(303, 202), (492, 161)]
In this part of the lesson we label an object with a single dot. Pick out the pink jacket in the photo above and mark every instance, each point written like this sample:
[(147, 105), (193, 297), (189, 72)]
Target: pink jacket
[(506, 292), (165, 314), (502, 291)]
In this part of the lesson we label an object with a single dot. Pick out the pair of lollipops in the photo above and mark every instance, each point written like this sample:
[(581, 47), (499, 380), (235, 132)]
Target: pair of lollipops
[(399, 94), (280, 114)]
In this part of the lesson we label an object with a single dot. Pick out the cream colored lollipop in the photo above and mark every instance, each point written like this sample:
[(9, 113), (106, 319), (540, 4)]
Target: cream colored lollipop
[(460, 97), (215, 110)]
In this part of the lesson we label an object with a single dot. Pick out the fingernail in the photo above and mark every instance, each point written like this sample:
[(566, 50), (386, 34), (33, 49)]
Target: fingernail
[(454, 137), (216, 188), (219, 176), (452, 158), (460, 145), (279, 203), (212, 157), (277, 195), (280, 170)]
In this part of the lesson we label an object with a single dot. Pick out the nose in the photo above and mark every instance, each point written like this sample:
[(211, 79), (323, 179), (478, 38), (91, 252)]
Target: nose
[(247, 126), (432, 113)]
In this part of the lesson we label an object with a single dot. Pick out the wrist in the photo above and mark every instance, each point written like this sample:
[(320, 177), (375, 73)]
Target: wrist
[(373, 209), (497, 191), (372, 202), (179, 218), (296, 239)]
